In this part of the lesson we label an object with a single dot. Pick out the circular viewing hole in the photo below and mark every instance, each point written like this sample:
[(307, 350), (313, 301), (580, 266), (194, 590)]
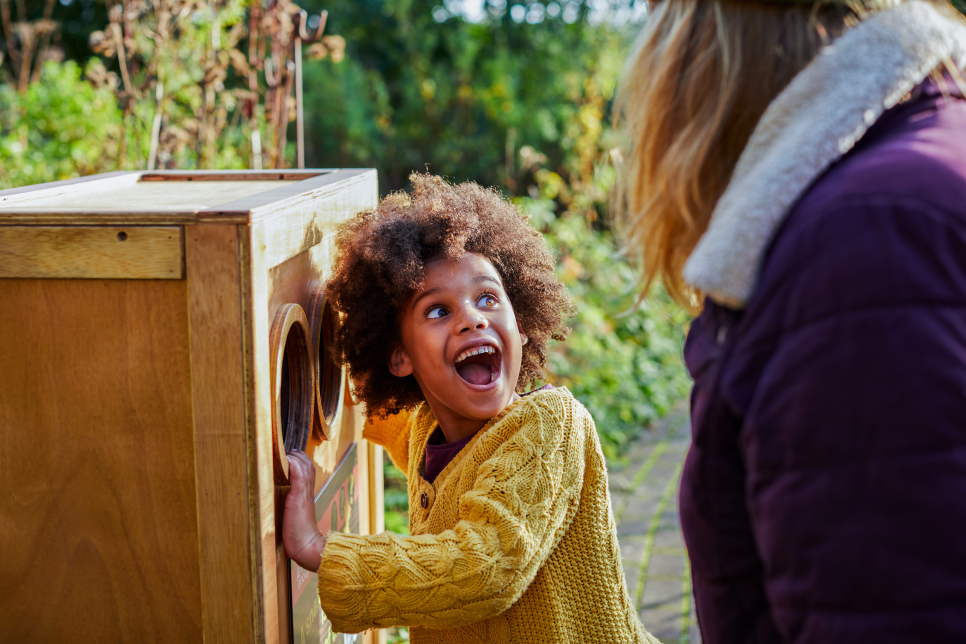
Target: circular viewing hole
[(330, 375), (284, 394), (292, 391), (295, 411), (121, 236)]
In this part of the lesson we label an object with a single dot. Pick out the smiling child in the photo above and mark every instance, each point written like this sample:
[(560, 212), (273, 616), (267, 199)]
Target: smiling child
[(449, 301)]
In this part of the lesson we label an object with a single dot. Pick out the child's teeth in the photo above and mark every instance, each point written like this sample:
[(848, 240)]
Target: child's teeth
[(474, 352)]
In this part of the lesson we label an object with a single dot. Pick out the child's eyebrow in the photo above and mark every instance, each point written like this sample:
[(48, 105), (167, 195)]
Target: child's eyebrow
[(487, 278), (431, 291)]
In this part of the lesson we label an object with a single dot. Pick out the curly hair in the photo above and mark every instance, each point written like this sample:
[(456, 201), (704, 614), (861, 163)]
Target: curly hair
[(380, 260)]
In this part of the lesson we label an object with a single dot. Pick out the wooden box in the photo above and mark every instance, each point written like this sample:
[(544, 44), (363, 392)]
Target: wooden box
[(163, 340)]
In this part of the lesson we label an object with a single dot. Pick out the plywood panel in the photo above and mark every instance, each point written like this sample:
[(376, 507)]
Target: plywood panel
[(97, 518), (293, 225), (221, 440), (153, 196), (91, 252), (77, 186), (258, 402), (231, 175)]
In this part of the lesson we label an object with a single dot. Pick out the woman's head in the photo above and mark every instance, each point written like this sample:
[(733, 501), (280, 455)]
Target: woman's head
[(699, 79), (382, 260)]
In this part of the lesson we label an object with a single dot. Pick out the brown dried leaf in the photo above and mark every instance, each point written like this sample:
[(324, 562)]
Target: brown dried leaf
[(103, 43), (239, 61), (336, 47), (191, 125), (99, 76), (317, 51)]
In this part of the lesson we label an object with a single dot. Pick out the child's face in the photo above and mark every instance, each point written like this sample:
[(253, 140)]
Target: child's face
[(460, 309)]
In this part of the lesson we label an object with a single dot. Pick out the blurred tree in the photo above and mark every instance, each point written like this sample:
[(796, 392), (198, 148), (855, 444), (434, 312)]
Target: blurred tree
[(421, 85)]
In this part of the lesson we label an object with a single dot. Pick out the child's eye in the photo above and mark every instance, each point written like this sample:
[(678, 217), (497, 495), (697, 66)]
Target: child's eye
[(486, 301), (435, 312)]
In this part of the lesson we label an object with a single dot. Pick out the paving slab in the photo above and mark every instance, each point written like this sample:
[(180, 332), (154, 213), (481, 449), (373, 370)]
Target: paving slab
[(644, 494)]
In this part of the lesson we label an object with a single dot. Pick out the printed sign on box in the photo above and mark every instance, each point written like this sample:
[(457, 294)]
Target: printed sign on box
[(337, 509)]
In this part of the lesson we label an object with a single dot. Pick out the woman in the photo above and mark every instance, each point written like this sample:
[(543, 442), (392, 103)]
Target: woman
[(801, 168)]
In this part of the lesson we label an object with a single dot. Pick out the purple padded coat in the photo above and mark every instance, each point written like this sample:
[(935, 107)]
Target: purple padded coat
[(823, 499)]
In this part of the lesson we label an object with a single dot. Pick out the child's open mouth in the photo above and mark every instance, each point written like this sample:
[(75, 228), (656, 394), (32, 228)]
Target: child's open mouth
[(479, 365)]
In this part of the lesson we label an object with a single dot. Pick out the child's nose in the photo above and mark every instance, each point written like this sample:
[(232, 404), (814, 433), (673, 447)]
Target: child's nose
[(472, 319)]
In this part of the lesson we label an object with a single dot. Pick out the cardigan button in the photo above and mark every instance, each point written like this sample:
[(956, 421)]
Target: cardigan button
[(424, 500)]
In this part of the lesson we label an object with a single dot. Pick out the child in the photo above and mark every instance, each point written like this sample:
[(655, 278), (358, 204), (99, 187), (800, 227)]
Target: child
[(449, 300)]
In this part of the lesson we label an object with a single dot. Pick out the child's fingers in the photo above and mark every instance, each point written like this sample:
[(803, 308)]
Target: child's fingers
[(301, 468)]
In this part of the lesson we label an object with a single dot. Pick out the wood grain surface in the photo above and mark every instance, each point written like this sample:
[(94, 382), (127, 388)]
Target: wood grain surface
[(231, 175), (155, 196), (98, 526), (221, 436), (13, 197), (258, 403), (306, 213), (139, 502), (91, 252), (303, 204)]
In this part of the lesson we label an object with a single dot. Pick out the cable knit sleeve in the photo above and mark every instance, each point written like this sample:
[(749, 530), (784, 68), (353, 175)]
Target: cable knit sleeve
[(393, 434), (522, 502)]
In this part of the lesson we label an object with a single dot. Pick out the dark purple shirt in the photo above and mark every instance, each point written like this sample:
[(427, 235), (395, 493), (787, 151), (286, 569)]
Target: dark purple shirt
[(439, 453)]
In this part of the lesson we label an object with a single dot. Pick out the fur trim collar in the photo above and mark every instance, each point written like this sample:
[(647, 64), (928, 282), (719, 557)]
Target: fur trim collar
[(822, 113)]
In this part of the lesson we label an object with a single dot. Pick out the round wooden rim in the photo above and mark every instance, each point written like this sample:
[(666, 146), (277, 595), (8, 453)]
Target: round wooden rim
[(291, 316), (323, 424)]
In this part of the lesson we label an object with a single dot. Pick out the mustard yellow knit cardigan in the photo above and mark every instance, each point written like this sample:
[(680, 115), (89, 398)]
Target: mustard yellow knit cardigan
[(515, 541)]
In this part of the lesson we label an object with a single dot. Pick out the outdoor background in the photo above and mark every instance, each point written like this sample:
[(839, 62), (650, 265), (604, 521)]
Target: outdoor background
[(512, 95), (515, 96)]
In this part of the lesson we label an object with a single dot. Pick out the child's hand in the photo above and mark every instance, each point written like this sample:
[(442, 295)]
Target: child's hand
[(300, 531)]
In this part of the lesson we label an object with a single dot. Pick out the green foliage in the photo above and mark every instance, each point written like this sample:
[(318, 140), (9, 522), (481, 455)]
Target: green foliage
[(62, 127), (396, 499), (622, 361), (460, 97), (177, 67)]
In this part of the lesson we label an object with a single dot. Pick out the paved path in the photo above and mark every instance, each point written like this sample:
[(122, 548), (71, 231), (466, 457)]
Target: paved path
[(645, 498)]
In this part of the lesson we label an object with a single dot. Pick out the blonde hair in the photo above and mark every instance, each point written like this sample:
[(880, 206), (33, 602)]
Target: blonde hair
[(695, 85)]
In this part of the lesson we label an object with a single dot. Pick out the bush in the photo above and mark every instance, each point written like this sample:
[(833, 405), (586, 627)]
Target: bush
[(62, 127), (623, 362)]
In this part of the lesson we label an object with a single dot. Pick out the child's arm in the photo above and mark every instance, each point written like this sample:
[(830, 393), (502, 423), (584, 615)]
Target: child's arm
[(393, 434), (523, 501)]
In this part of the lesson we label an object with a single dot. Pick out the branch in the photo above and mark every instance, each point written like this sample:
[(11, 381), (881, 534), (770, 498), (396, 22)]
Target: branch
[(8, 31), (121, 58)]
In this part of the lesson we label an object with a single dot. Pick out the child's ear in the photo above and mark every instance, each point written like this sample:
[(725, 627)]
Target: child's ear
[(523, 338), (399, 363)]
